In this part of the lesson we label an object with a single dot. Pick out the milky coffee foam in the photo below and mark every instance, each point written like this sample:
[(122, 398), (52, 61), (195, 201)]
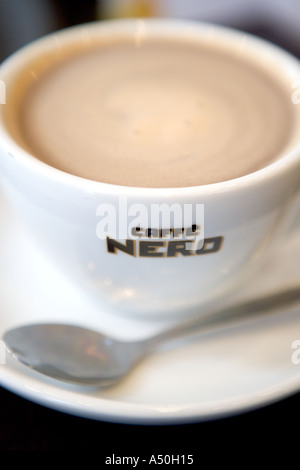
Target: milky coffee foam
[(161, 114)]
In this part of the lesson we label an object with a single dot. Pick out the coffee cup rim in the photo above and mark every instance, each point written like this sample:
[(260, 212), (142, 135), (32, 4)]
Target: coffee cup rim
[(163, 26)]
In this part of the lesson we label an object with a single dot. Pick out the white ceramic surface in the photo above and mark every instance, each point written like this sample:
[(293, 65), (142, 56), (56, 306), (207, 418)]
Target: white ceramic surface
[(62, 209), (229, 372)]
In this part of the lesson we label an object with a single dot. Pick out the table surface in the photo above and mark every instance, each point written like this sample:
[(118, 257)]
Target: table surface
[(28, 426)]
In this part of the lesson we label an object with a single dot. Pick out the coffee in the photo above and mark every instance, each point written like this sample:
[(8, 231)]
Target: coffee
[(156, 114)]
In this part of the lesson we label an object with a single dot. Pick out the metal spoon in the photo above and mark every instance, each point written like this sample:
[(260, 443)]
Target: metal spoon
[(81, 356)]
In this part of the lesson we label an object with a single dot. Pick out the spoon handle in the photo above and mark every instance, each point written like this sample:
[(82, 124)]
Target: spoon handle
[(261, 306)]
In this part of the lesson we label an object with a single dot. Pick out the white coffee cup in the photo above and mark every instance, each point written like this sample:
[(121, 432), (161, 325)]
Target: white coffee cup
[(242, 219)]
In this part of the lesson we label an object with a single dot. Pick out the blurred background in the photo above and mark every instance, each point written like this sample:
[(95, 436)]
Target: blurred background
[(21, 21)]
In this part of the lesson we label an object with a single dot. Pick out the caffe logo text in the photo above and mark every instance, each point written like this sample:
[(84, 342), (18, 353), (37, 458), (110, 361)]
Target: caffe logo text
[(154, 230), (163, 248)]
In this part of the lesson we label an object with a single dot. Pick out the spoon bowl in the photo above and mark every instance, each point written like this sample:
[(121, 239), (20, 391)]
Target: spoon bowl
[(72, 353)]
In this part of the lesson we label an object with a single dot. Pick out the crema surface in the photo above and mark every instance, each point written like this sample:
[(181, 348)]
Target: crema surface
[(157, 114)]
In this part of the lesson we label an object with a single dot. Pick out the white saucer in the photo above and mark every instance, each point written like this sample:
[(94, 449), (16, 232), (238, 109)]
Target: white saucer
[(229, 372)]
